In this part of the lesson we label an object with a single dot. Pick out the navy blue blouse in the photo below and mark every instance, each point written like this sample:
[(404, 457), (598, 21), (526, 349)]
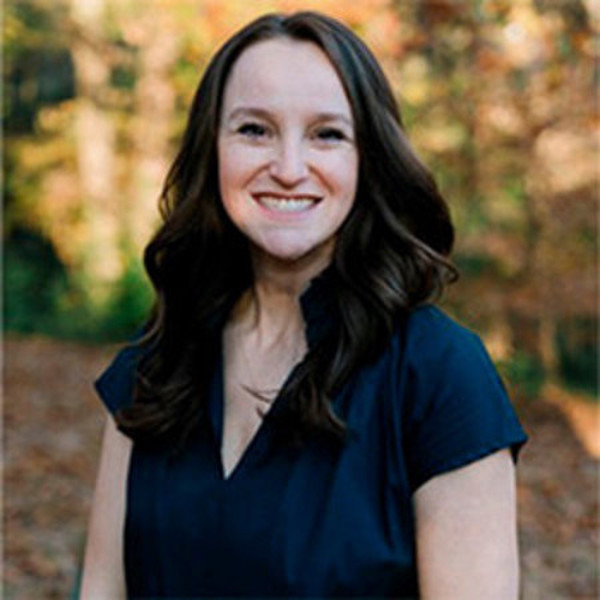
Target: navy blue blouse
[(320, 520)]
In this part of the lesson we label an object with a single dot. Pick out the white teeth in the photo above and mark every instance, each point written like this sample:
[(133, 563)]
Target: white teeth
[(286, 204)]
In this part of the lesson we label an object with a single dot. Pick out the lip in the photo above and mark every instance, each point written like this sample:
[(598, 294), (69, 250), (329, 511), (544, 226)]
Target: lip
[(296, 196)]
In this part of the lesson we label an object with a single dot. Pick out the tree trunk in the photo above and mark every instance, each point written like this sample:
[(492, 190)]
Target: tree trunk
[(547, 345), (155, 105), (95, 141)]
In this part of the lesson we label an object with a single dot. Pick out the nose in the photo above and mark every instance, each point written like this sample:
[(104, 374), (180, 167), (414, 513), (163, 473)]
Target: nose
[(288, 165)]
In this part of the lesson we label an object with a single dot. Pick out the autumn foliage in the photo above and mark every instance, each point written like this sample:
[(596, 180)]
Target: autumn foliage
[(498, 97)]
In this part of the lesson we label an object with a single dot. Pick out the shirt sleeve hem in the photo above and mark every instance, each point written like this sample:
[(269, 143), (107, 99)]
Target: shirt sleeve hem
[(444, 466)]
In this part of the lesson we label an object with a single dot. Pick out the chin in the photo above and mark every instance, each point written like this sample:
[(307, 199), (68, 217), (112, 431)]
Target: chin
[(289, 255), (294, 253)]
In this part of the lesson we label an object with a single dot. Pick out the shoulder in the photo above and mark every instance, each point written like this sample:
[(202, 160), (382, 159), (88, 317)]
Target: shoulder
[(445, 364), (432, 316), (116, 383), (455, 406), (431, 334)]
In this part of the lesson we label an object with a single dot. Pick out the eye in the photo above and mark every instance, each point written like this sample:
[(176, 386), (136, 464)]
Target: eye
[(252, 130), (330, 134)]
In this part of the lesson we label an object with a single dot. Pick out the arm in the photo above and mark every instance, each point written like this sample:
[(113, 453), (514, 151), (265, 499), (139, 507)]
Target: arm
[(466, 532), (103, 573)]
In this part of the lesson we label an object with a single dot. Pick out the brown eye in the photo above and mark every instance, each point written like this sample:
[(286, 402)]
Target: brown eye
[(252, 130), (330, 134)]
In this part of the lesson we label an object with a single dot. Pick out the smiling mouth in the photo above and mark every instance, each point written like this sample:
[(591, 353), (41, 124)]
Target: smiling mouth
[(287, 204)]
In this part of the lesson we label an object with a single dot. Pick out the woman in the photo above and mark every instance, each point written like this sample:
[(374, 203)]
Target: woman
[(297, 420)]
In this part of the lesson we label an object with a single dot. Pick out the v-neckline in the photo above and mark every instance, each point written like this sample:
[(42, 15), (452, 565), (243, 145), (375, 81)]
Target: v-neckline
[(258, 441), (320, 317)]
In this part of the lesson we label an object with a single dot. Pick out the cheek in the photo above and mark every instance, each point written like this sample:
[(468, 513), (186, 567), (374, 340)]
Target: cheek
[(348, 183), (228, 170), (228, 182), (343, 172), (236, 168)]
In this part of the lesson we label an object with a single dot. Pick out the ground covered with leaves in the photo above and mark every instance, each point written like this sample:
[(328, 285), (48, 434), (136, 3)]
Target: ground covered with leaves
[(52, 431)]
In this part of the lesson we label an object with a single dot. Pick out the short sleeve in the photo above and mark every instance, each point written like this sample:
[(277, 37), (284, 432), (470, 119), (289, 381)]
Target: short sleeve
[(458, 410), (115, 385)]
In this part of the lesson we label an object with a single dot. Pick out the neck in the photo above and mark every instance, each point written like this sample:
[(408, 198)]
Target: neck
[(271, 309)]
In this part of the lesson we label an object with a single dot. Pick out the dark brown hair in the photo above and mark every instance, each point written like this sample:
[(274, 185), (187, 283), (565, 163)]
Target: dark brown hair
[(390, 255)]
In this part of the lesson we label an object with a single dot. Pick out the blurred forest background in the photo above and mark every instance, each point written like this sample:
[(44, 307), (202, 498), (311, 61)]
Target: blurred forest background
[(500, 99)]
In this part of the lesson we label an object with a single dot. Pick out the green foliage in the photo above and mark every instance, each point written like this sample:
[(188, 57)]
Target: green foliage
[(483, 88), (123, 77), (476, 265), (577, 344), (128, 306), (42, 296), (34, 281), (524, 373), (38, 70)]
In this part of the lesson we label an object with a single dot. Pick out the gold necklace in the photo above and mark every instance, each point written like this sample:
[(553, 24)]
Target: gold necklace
[(265, 396)]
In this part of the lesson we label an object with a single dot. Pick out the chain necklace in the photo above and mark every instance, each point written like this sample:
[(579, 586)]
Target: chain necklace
[(268, 395)]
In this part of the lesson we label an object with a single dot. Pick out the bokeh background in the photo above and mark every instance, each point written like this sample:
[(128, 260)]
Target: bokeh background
[(500, 99)]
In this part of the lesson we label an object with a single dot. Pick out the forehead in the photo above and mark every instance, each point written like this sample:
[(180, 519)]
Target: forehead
[(284, 70)]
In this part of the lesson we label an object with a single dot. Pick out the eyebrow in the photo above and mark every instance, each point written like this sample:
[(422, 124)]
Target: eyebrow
[(251, 111)]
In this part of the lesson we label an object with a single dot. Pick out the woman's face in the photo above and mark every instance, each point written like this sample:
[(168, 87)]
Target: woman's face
[(288, 161)]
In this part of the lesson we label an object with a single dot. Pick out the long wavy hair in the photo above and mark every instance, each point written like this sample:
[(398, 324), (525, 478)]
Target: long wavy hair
[(391, 253)]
